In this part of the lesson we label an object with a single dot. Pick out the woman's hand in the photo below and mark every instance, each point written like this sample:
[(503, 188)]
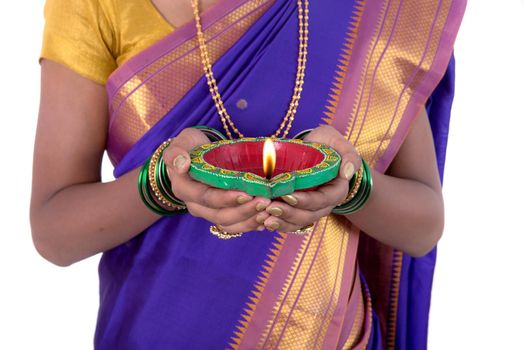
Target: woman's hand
[(305, 207), (232, 211)]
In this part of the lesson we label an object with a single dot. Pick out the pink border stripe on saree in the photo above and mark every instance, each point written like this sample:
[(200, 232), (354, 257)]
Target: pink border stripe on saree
[(272, 290), (361, 50), (167, 44), (374, 75), (303, 284), (437, 70), (292, 281), (343, 312), (368, 67), (332, 296)]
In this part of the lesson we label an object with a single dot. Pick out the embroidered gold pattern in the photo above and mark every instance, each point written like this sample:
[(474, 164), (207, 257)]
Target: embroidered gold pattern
[(143, 100), (305, 307)]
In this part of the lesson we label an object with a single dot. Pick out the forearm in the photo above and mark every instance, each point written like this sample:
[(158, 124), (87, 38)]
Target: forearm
[(85, 219), (403, 213)]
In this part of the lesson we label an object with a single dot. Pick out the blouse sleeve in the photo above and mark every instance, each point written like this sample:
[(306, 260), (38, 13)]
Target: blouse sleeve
[(78, 35)]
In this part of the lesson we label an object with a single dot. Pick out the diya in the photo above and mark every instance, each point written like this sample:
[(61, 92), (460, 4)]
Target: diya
[(264, 167)]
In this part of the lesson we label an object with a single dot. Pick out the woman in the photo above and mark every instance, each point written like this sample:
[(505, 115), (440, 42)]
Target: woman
[(124, 76)]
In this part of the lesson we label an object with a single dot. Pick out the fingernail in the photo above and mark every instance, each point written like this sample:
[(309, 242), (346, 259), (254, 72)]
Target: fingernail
[(349, 170), (276, 211), (243, 199), (261, 206), (260, 218), (180, 161), (273, 226), (261, 228), (289, 199)]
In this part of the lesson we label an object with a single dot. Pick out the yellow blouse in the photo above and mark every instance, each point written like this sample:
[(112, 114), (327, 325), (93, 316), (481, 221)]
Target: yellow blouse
[(94, 37)]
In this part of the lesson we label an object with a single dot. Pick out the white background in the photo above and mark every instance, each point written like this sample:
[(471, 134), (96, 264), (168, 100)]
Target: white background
[(479, 283)]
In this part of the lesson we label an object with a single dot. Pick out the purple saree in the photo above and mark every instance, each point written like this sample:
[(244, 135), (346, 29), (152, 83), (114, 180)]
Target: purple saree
[(175, 286)]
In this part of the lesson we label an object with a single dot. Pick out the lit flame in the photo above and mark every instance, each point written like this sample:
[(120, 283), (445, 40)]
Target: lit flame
[(269, 158)]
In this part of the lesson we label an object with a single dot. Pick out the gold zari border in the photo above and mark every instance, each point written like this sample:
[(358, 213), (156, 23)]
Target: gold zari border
[(306, 305), (398, 61), (147, 97)]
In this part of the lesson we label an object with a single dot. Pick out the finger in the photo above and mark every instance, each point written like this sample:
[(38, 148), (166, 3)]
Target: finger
[(176, 156), (177, 161), (227, 216), (296, 216), (248, 225), (189, 190), (350, 159), (328, 195), (277, 224), (261, 217), (190, 138), (325, 134), (330, 136), (349, 164)]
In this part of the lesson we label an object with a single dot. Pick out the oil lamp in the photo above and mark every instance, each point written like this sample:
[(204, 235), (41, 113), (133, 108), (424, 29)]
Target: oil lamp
[(263, 166)]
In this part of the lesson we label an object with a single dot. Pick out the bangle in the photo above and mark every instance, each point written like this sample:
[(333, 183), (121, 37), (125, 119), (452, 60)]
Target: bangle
[(160, 193), (354, 186), (145, 193), (154, 187), (212, 133), (359, 193), (164, 183), (302, 135)]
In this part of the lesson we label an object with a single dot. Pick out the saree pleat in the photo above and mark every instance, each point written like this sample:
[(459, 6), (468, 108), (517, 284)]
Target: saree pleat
[(177, 286)]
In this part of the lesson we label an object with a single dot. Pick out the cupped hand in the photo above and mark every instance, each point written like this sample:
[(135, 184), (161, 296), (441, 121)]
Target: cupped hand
[(302, 208), (232, 211)]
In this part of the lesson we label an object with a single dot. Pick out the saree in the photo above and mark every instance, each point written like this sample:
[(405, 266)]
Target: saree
[(176, 286)]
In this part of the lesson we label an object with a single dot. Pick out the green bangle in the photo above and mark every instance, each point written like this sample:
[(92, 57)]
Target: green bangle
[(362, 195), (154, 177), (164, 183), (212, 133), (143, 190), (366, 191), (146, 195), (302, 135)]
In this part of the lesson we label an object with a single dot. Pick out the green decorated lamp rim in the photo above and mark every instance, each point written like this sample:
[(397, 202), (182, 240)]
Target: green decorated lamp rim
[(233, 165)]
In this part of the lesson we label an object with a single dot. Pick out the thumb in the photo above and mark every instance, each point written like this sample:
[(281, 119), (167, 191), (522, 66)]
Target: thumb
[(350, 160), (347, 169), (349, 164), (177, 160), (176, 156)]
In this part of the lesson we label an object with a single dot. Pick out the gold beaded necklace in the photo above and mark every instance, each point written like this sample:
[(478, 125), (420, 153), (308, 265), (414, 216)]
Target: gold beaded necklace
[(227, 122)]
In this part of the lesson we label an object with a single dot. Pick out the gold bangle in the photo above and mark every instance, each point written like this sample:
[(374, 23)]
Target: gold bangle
[(304, 230), (354, 190), (152, 179), (217, 231)]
